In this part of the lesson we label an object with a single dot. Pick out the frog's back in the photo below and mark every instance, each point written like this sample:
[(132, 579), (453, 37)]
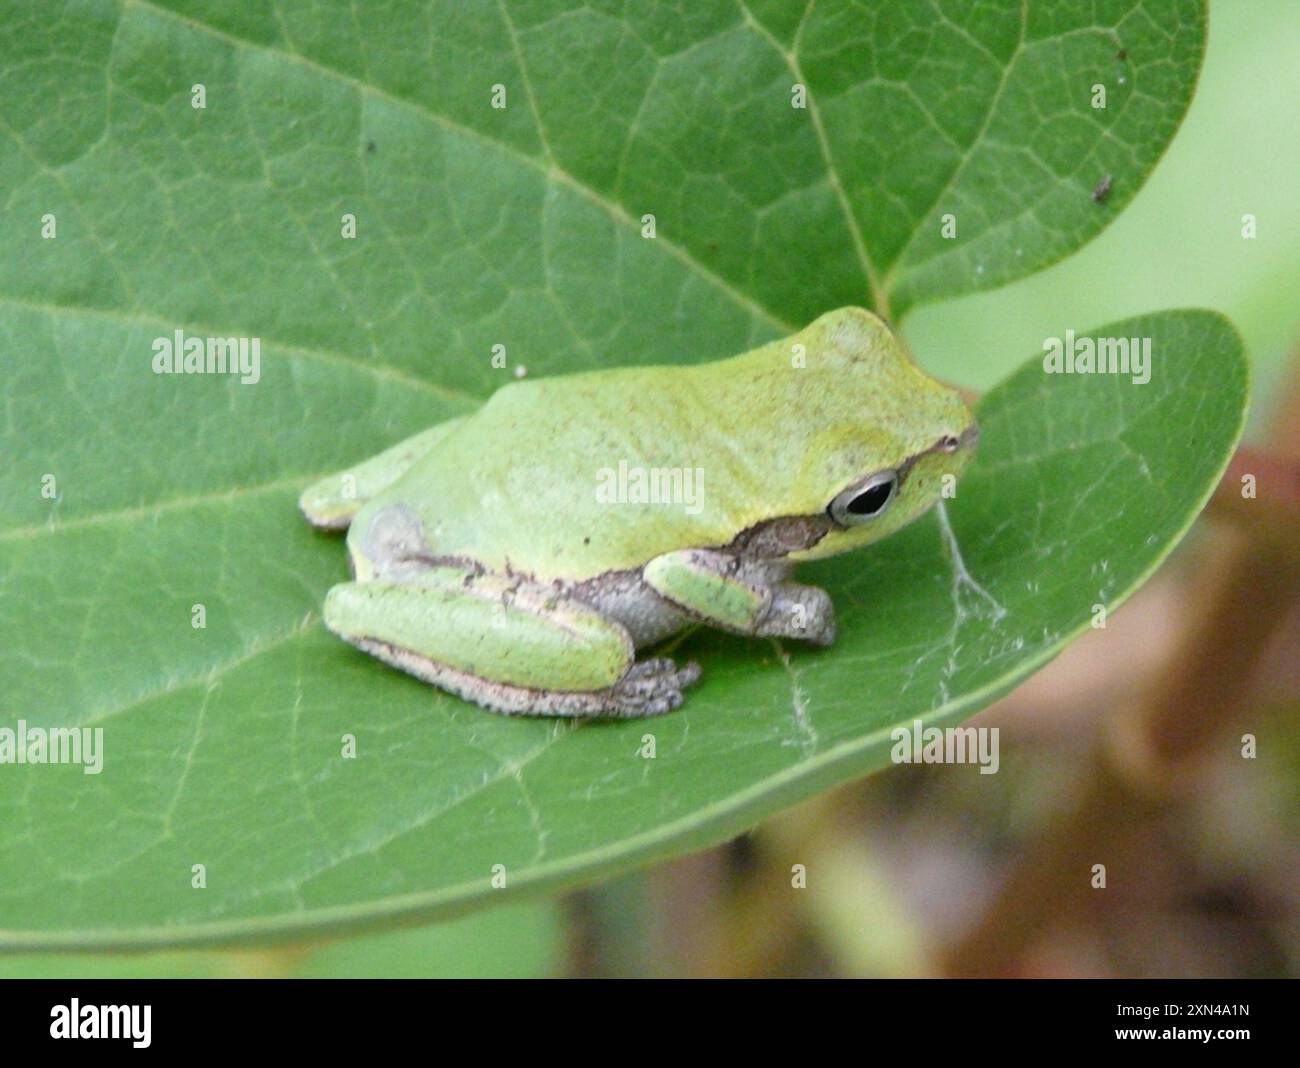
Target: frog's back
[(573, 476), (549, 476)]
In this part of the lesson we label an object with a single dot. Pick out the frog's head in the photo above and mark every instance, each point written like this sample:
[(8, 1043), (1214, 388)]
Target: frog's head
[(890, 441)]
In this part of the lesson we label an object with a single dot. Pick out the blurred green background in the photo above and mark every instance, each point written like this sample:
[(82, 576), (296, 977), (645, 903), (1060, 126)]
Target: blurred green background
[(881, 902)]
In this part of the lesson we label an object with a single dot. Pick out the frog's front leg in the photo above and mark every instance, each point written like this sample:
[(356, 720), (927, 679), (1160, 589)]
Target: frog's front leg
[(511, 646), (741, 596)]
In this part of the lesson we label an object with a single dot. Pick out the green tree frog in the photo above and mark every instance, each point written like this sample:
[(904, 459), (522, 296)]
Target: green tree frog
[(491, 559)]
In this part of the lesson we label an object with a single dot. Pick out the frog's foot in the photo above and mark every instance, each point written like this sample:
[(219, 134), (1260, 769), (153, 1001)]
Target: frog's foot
[(651, 688), (803, 612)]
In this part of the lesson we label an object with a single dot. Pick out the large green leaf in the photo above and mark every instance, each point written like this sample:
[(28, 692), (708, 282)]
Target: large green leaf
[(520, 227), (222, 746)]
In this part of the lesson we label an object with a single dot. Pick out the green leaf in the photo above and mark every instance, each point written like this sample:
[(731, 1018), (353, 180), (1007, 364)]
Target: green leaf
[(1082, 484), (521, 941), (521, 227)]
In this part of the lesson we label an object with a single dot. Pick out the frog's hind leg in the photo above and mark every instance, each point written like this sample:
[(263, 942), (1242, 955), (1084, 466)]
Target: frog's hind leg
[(510, 646), (648, 688), (332, 502)]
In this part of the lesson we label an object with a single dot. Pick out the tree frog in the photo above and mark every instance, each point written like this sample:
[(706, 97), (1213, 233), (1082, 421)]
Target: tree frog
[(492, 557)]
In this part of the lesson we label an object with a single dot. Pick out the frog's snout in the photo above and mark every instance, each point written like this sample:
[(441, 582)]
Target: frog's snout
[(970, 436)]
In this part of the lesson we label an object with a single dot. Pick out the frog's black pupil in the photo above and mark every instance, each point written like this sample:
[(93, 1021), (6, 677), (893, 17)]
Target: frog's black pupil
[(870, 501)]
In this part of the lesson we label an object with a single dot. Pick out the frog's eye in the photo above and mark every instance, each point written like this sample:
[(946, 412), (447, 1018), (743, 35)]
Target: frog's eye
[(860, 503)]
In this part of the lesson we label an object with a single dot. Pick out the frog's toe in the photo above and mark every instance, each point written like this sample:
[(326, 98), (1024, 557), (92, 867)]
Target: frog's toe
[(688, 675), (651, 688)]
